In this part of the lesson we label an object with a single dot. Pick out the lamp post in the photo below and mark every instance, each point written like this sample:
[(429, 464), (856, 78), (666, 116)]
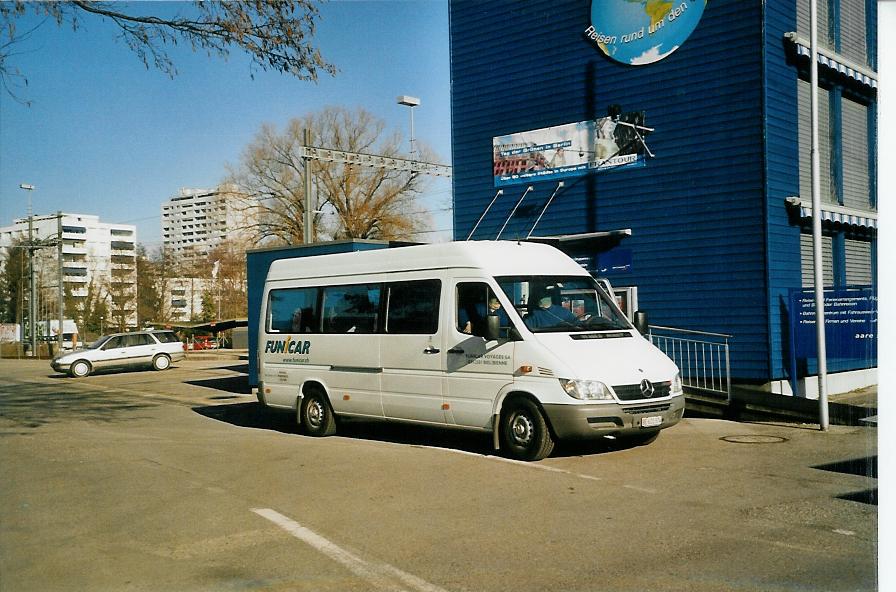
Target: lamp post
[(410, 102), (32, 304)]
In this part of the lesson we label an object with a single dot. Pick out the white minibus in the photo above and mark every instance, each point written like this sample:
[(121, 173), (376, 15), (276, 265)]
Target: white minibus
[(512, 338)]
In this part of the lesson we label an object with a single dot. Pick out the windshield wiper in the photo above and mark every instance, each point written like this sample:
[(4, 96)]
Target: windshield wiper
[(597, 322)]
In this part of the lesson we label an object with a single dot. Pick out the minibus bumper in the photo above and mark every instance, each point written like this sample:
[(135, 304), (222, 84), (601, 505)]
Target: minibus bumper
[(594, 421)]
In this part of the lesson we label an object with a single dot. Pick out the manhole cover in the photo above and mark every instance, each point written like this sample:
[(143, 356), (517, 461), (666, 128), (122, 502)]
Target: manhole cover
[(754, 439)]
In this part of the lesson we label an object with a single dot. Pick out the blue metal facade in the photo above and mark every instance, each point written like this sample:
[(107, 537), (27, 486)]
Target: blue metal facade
[(713, 245)]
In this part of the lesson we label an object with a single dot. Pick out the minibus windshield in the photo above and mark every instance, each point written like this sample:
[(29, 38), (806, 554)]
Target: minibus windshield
[(550, 304)]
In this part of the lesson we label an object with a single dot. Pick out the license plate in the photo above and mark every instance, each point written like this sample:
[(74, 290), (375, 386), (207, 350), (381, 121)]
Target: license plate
[(652, 421)]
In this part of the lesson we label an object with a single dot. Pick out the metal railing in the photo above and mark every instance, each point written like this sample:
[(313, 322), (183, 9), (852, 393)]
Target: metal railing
[(702, 357)]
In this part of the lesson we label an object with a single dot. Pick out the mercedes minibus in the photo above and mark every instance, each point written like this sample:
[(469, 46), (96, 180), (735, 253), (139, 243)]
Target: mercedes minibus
[(511, 338)]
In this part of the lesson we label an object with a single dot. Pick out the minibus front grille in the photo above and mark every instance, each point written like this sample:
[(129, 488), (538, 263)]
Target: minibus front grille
[(545, 371), (614, 335), (634, 392), (647, 409)]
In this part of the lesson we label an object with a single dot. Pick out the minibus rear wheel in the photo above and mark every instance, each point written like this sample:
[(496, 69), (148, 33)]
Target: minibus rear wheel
[(315, 413), (524, 431)]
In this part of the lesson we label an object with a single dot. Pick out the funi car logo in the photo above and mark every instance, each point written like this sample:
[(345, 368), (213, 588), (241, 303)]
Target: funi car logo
[(287, 346), (640, 32)]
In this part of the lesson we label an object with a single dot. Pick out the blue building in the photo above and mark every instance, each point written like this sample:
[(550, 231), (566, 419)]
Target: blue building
[(715, 185)]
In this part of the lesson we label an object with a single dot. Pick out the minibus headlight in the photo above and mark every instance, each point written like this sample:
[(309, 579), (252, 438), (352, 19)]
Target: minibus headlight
[(676, 385), (593, 390)]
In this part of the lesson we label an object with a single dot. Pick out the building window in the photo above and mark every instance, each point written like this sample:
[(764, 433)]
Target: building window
[(828, 187), (856, 174), (853, 44), (858, 262), (807, 262), (802, 21)]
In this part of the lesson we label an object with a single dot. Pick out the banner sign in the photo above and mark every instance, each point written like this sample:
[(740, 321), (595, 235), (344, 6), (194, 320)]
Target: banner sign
[(850, 321), (569, 150), (640, 32)]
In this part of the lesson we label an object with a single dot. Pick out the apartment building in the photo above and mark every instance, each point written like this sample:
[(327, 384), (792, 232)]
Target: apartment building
[(97, 258), (197, 220), (184, 297)]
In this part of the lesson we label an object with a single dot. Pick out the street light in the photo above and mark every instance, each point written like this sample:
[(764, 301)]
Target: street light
[(410, 102)]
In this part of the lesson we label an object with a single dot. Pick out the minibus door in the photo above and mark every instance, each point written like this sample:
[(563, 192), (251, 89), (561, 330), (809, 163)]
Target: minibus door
[(411, 352), (477, 367)]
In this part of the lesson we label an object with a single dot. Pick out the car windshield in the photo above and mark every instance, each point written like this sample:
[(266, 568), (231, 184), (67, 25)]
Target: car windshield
[(98, 343), (550, 304)]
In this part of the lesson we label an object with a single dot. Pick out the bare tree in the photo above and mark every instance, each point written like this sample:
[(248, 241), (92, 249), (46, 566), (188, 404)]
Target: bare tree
[(277, 34), (226, 295), (349, 201)]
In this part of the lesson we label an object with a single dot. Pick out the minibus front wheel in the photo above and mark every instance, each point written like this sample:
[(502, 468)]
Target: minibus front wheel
[(315, 413), (524, 431)]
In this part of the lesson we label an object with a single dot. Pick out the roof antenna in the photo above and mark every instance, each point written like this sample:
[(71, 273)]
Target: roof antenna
[(513, 211), (500, 192)]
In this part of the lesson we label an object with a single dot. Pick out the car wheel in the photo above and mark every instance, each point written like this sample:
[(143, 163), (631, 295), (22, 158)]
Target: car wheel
[(161, 362), (524, 431), (316, 415), (79, 369)]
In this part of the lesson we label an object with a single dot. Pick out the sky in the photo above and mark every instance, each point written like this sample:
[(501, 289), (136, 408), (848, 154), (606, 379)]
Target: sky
[(104, 135)]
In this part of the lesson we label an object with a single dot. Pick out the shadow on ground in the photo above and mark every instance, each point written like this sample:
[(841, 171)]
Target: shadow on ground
[(36, 405), (256, 416), (864, 467), (228, 384)]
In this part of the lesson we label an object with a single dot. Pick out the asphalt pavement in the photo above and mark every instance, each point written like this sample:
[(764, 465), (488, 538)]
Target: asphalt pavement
[(178, 480)]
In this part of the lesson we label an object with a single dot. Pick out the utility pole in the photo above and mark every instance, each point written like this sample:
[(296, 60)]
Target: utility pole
[(816, 220), (308, 231), (61, 291), (32, 302)]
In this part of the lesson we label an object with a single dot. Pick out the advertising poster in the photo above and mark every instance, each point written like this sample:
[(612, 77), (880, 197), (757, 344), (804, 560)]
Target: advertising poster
[(850, 319), (569, 150), (641, 32)]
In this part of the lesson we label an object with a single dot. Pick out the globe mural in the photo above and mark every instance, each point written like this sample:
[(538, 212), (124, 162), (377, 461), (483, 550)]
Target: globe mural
[(640, 32)]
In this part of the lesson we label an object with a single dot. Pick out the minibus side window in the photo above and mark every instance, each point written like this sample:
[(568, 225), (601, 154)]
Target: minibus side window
[(351, 309), (413, 307), (473, 306), (293, 310)]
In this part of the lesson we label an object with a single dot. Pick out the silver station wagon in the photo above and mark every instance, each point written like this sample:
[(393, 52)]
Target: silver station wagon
[(156, 349)]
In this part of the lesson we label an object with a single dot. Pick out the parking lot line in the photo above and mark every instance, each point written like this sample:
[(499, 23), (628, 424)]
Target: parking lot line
[(381, 575)]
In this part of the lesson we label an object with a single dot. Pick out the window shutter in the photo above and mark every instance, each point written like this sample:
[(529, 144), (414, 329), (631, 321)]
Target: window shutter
[(858, 262), (853, 36), (828, 193), (856, 186), (827, 260)]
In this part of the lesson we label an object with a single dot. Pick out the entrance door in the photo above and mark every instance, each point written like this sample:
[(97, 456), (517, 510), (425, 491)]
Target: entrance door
[(411, 352), (477, 368)]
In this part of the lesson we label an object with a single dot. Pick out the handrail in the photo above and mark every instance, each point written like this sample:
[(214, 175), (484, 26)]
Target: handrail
[(704, 364), (724, 335)]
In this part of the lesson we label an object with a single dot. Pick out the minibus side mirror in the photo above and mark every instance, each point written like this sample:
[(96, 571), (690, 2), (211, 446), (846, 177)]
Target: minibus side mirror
[(492, 327), (641, 322)]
